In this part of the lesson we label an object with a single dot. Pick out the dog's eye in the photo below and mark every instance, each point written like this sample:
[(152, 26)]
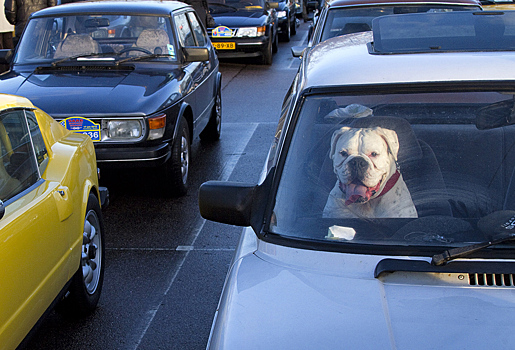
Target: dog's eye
[(374, 154), (344, 154)]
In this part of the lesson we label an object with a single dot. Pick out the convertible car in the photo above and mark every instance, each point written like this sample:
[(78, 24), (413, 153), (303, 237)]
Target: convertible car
[(51, 226), (385, 214), (140, 77)]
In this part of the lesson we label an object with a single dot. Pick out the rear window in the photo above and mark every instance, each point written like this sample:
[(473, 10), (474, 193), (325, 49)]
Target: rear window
[(463, 31)]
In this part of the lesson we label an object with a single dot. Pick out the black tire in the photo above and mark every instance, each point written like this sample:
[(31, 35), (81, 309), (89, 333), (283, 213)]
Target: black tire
[(275, 44), (86, 285), (285, 36), (214, 127), (176, 169), (267, 57), (293, 28)]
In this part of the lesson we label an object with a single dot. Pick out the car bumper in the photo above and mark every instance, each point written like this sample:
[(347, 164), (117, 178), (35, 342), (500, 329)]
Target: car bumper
[(248, 47), (132, 157), (104, 196)]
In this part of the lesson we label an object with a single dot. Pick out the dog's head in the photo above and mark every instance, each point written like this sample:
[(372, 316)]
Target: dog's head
[(363, 160)]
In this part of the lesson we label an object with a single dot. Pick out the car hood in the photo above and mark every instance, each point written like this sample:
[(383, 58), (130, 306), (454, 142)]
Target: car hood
[(284, 298), (241, 19), (90, 93)]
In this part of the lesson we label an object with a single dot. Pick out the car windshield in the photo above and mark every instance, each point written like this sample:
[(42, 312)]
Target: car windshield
[(223, 6), (96, 37), (341, 21), (403, 169)]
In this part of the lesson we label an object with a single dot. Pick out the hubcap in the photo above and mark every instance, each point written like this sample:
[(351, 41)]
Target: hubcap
[(185, 158), (218, 113), (91, 257)]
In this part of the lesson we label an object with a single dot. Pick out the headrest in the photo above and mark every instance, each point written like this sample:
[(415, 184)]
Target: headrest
[(409, 148)]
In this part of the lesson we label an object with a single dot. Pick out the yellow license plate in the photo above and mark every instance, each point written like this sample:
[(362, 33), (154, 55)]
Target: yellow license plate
[(224, 46)]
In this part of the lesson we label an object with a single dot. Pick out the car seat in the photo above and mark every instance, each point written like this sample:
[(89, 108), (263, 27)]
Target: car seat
[(76, 44), (154, 40)]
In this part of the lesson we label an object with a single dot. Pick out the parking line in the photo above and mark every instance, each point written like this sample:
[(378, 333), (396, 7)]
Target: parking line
[(227, 170)]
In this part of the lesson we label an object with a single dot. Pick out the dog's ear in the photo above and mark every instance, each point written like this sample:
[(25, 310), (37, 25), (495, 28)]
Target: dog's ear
[(391, 140), (334, 139)]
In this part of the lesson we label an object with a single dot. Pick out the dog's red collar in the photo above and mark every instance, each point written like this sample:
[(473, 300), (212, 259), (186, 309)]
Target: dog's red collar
[(390, 183), (388, 186)]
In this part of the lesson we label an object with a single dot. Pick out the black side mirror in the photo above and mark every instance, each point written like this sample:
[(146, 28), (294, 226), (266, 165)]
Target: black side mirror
[(6, 56), (2, 209), (195, 54), (234, 203)]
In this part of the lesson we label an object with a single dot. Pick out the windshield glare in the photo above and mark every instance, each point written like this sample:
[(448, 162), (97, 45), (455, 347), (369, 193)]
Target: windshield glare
[(341, 21), (99, 36), (222, 6), (415, 169)]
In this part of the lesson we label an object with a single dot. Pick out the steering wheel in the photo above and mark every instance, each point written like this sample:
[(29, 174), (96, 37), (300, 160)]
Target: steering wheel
[(135, 48)]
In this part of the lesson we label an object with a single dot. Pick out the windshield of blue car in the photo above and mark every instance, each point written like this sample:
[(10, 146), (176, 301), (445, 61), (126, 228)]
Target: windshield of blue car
[(223, 6), (397, 169), (95, 38), (341, 21)]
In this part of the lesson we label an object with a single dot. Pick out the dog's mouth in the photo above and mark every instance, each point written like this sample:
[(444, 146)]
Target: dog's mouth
[(357, 192)]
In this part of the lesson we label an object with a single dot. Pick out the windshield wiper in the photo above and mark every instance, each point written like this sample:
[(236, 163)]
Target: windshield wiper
[(55, 63), (501, 224), (138, 58)]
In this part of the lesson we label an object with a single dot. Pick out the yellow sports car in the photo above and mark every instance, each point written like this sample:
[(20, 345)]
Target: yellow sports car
[(51, 228)]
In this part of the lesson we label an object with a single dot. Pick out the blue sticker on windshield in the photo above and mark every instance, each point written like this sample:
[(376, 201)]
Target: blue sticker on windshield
[(82, 126)]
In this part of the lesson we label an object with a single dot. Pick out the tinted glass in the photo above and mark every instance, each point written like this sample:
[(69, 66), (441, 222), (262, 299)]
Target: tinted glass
[(398, 169), (222, 6), (445, 31), (18, 169), (341, 21), (197, 29), (96, 37)]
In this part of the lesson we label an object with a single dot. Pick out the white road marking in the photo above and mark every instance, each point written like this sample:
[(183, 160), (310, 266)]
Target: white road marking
[(227, 170)]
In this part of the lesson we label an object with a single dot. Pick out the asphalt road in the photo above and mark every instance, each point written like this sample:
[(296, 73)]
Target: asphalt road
[(165, 265)]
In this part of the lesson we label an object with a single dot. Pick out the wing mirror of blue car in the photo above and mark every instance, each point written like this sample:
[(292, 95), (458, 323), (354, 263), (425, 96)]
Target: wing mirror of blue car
[(195, 54), (234, 203), (6, 56)]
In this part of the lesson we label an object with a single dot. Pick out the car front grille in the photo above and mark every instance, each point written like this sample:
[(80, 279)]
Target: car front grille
[(490, 279)]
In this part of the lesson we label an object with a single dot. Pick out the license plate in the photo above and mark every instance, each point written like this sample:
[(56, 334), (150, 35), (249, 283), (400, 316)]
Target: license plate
[(224, 46)]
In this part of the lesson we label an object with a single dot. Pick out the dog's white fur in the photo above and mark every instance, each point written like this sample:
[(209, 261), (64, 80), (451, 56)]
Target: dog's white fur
[(367, 157)]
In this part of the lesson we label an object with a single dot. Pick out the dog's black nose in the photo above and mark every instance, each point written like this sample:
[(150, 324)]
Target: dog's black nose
[(358, 163)]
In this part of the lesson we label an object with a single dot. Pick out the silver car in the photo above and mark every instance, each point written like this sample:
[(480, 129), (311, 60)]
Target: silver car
[(385, 215)]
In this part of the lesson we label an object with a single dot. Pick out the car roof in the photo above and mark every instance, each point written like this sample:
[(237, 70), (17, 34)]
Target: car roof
[(112, 6), (347, 60), (343, 3)]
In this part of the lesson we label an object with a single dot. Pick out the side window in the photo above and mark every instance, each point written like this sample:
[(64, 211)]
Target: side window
[(184, 31), (197, 29), (18, 169), (38, 142)]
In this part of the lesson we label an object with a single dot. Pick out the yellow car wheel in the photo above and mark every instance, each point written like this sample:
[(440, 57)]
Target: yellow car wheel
[(86, 285)]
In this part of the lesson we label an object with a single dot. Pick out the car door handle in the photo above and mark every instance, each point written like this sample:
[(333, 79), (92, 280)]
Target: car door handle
[(63, 202)]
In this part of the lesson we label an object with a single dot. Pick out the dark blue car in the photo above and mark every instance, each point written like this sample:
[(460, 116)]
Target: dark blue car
[(244, 28), (141, 78)]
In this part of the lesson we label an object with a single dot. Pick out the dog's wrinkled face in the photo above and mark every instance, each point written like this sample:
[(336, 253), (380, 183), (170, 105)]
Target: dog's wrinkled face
[(363, 160)]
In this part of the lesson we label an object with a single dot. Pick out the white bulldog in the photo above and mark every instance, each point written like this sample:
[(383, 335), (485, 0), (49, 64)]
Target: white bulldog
[(369, 184)]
